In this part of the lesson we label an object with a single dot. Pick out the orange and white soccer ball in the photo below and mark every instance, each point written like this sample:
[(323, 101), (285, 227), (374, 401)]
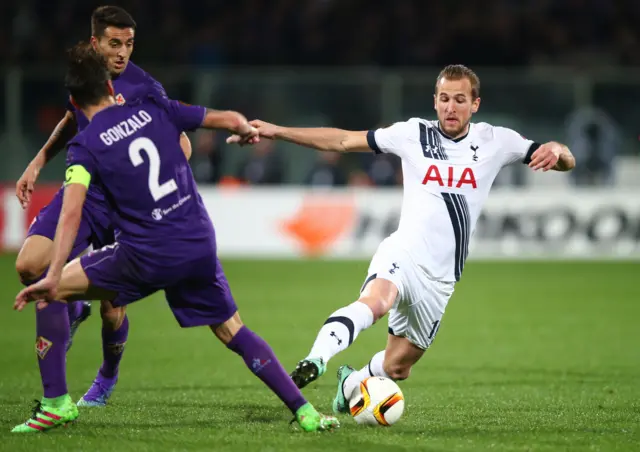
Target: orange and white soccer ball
[(378, 401)]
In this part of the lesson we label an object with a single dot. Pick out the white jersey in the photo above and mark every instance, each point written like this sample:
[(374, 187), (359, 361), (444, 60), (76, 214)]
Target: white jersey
[(446, 183)]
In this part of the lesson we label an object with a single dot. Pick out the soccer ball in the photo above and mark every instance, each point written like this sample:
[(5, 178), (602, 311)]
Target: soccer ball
[(378, 401)]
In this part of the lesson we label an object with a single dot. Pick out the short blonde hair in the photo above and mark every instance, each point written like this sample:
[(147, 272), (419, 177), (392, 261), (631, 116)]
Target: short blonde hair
[(459, 72)]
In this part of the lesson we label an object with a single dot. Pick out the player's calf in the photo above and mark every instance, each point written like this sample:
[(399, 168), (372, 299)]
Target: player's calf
[(79, 311), (115, 331), (112, 317), (32, 263), (395, 362), (338, 332), (264, 364), (343, 327), (56, 408), (397, 371)]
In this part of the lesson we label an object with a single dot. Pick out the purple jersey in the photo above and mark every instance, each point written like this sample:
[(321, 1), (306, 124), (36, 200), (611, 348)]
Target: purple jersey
[(133, 153), (132, 83)]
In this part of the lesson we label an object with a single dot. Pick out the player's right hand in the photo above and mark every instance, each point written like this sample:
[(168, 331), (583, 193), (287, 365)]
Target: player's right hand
[(25, 185), (265, 130)]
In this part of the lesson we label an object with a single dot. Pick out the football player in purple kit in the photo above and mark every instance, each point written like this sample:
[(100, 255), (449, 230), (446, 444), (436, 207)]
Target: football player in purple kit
[(113, 31), (166, 240)]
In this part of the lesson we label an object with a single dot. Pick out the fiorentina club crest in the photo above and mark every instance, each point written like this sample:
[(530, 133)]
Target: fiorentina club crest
[(259, 364), (43, 345), (120, 99), (116, 349)]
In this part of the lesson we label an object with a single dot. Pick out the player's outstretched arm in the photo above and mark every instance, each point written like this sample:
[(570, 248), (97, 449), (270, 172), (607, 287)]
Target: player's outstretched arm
[(62, 133), (320, 138), (232, 121), (552, 156)]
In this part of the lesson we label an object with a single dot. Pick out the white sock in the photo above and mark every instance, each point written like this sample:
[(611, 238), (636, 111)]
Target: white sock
[(340, 330), (373, 369)]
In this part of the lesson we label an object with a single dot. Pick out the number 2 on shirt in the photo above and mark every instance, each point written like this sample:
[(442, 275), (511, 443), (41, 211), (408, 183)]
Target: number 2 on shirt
[(158, 191)]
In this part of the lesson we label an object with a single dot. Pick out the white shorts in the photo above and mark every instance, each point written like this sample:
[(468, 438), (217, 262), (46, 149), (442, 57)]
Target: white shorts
[(421, 301)]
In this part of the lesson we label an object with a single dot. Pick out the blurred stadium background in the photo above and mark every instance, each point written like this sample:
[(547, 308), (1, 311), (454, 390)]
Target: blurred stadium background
[(564, 70), (567, 70)]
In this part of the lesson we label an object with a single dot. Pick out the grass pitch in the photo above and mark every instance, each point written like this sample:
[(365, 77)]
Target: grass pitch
[(530, 357)]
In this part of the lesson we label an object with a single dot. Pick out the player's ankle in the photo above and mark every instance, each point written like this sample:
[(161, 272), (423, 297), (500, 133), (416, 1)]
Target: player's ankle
[(350, 384), (56, 402), (315, 358)]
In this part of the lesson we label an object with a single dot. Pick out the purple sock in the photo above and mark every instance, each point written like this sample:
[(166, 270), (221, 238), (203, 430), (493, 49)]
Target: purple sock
[(113, 347), (52, 331), (75, 310), (261, 360)]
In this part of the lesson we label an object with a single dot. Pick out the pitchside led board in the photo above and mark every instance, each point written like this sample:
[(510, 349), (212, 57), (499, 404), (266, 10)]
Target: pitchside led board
[(298, 222), (351, 224)]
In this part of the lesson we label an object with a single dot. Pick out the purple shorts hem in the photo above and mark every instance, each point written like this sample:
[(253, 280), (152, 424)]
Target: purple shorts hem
[(95, 227), (197, 291), (202, 320)]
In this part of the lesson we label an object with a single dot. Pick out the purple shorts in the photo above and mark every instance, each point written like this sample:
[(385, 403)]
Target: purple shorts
[(197, 291), (95, 226)]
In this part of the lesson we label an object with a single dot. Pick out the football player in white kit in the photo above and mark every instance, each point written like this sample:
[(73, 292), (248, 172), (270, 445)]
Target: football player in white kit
[(448, 166)]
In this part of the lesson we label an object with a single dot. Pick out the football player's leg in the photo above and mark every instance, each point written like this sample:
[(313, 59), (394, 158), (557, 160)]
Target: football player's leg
[(109, 268), (32, 263), (56, 407), (115, 322), (343, 326), (35, 256), (53, 324), (115, 331), (264, 364), (205, 299), (394, 362), (413, 325)]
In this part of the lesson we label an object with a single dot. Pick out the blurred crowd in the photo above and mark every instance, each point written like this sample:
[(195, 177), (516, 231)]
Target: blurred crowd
[(333, 32), (266, 164), (591, 134), (304, 33)]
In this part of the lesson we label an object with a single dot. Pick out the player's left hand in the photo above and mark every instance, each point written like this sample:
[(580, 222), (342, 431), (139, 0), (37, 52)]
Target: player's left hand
[(546, 156), (43, 292)]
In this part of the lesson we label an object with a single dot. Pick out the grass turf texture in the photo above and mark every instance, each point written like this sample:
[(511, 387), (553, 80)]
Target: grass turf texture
[(530, 356)]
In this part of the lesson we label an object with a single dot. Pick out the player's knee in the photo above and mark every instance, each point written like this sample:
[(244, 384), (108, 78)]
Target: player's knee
[(29, 269), (227, 330), (112, 317), (378, 306), (397, 371)]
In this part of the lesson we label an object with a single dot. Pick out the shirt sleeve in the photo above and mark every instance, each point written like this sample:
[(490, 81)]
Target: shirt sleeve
[(515, 147), (157, 89), (81, 167), (186, 117), (393, 139)]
